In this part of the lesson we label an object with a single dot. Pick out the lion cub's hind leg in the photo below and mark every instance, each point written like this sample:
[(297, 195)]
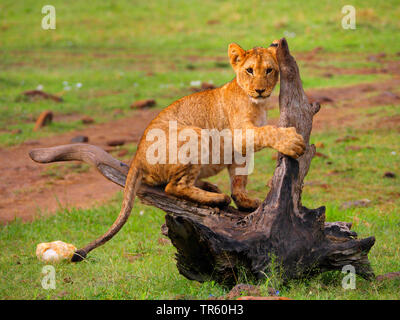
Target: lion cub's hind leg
[(184, 186), (207, 186)]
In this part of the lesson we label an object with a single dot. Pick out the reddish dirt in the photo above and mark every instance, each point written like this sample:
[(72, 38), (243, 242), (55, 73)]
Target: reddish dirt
[(340, 106), (25, 189), (346, 103)]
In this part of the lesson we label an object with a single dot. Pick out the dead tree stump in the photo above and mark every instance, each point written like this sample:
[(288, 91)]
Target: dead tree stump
[(218, 244)]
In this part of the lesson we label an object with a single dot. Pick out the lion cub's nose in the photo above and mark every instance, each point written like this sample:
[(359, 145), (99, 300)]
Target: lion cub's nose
[(260, 91)]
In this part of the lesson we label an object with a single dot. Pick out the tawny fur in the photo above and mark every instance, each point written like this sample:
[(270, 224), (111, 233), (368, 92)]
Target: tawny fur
[(239, 104)]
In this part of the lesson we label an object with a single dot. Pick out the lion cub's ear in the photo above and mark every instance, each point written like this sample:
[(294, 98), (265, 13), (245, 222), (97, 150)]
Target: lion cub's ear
[(236, 54), (272, 49)]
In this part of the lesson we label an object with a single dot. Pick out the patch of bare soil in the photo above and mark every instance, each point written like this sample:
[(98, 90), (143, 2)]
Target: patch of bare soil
[(340, 106), (25, 187), (389, 123), (346, 103)]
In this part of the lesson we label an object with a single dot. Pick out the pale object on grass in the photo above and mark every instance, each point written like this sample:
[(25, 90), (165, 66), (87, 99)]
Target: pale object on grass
[(50, 255), (55, 251), (195, 83)]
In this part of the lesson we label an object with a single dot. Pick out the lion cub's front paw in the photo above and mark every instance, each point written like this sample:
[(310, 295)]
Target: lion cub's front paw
[(289, 142), (244, 203)]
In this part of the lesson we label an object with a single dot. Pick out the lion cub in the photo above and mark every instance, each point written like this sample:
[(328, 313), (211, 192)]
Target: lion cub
[(238, 106)]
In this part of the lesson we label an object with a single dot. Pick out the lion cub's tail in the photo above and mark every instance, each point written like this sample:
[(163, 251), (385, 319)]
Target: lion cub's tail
[(132, 184)]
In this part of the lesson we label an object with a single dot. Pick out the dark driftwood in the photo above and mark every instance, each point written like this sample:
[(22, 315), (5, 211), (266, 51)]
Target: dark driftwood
[(218, 244)]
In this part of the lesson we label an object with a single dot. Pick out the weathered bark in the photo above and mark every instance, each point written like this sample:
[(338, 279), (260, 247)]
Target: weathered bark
[(219, 244)]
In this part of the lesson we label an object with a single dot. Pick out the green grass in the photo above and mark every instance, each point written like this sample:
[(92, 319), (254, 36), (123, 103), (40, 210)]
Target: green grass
[(135, 265), (122, 51), (109, 87), (156, 26)]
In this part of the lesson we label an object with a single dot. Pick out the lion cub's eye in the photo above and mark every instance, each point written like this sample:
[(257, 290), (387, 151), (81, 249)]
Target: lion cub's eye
[(249, 70), (269, 70)]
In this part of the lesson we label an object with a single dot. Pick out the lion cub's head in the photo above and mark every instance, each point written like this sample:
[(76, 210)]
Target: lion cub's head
[(257, 70)]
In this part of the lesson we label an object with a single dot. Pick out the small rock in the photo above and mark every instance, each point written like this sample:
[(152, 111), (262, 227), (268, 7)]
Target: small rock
[(207, 86), (45, 118), (346, 138), (35, 94), (323, 99), (163, 241), (164, 230), (80, 139), (87, 120), (319, 98), (195, 83), (55, 251), (203, 86), (122, 153), (388, 276), (389, 174), (356, 203), (133, 256), (68, 280), (212, 22), (321, 155), (353, 148), (241, 289), (117, 142), (140, 104)]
